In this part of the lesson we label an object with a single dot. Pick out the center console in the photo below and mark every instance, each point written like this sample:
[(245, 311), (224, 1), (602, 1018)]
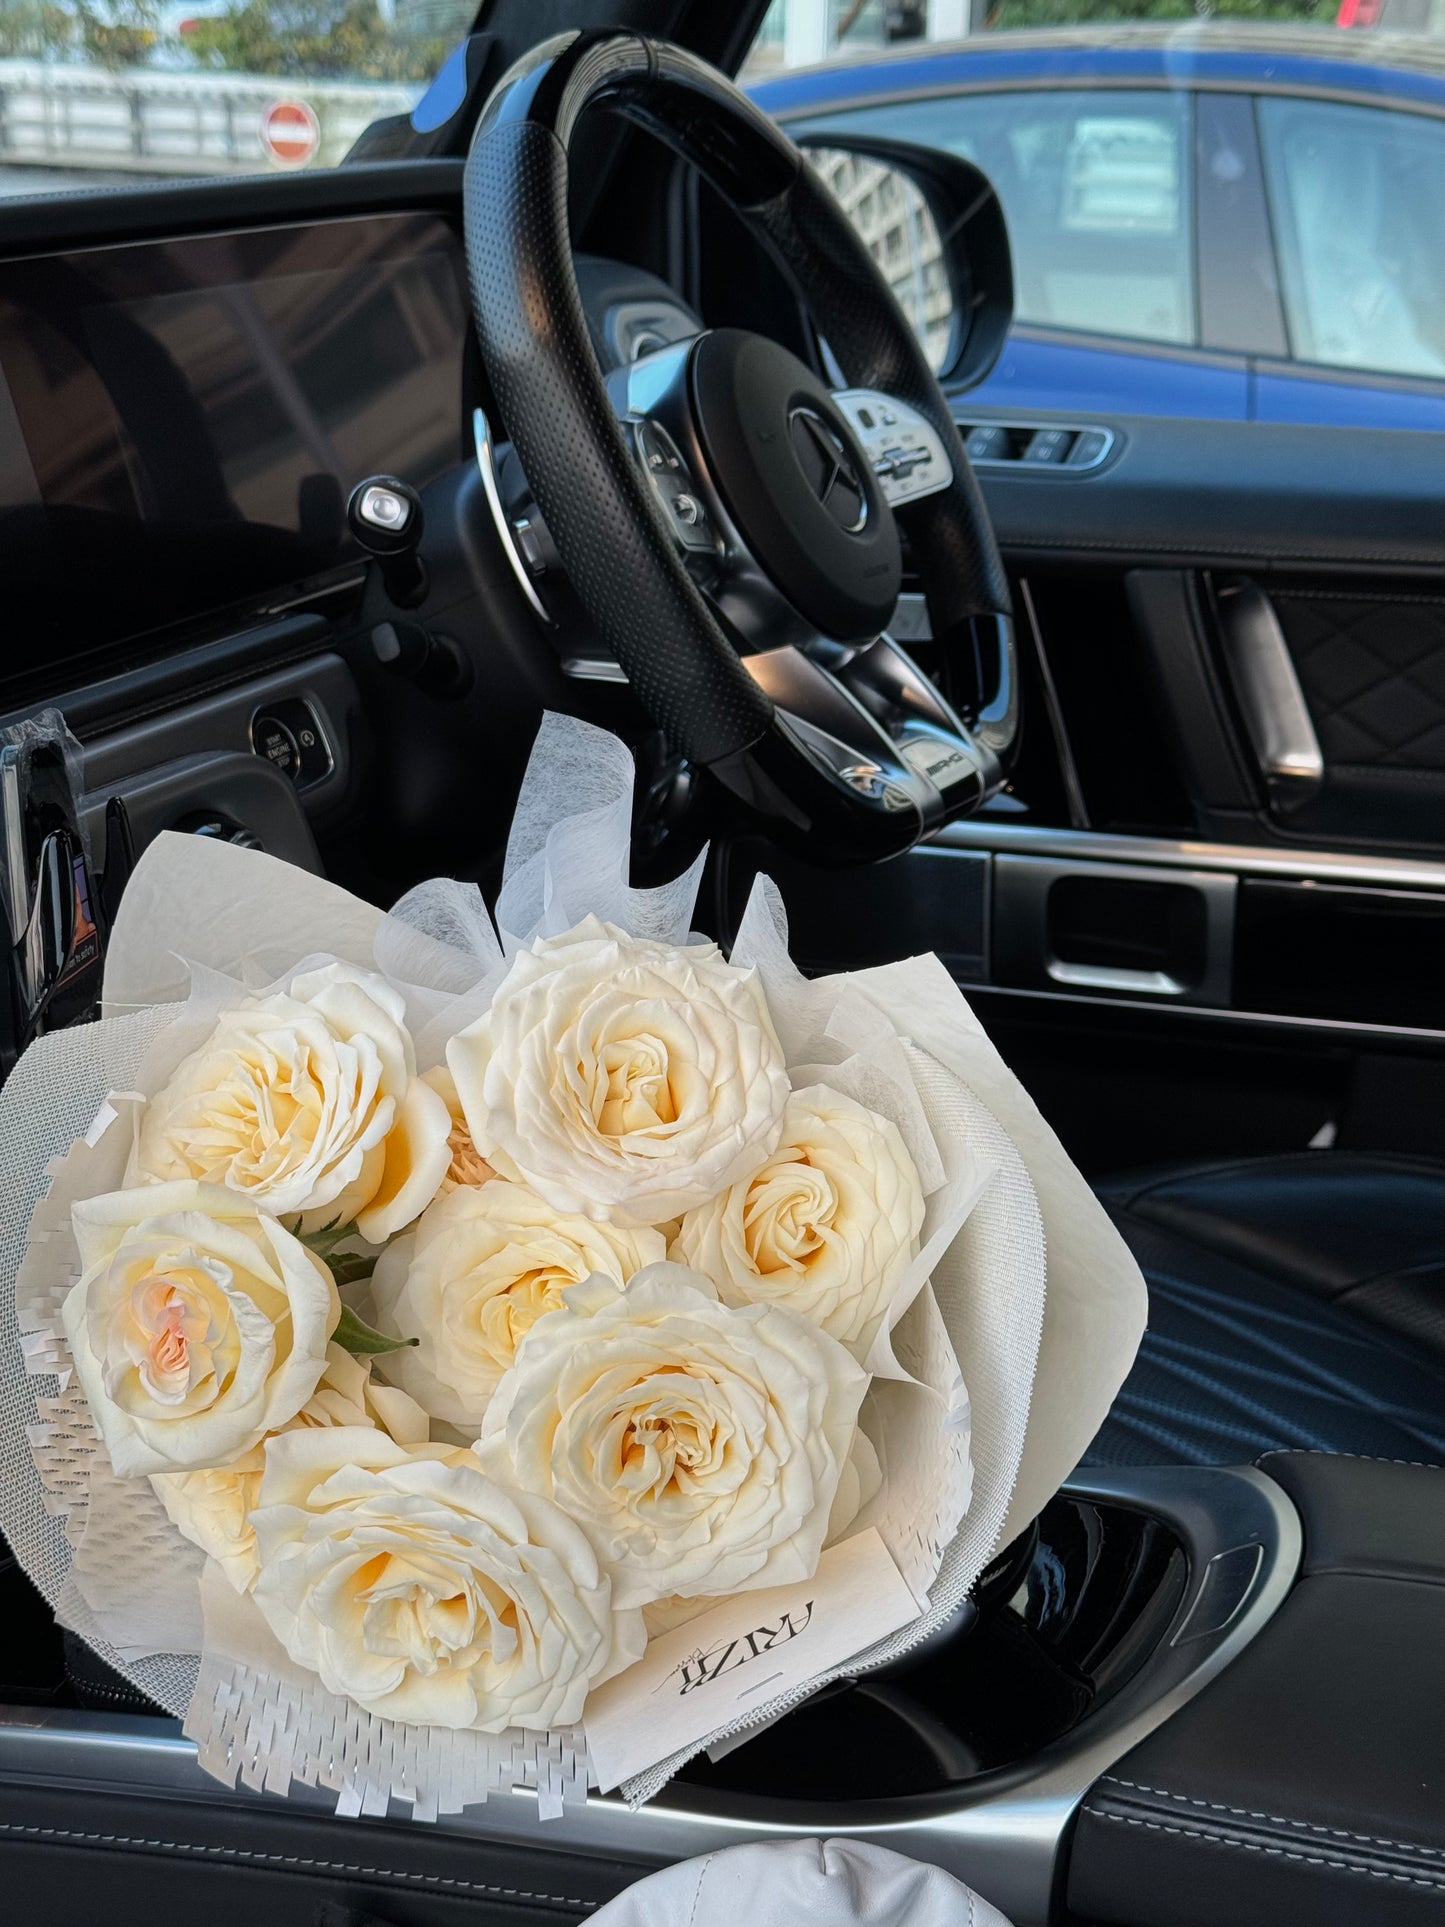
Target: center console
[(1136, 1589), (1308, 1783)]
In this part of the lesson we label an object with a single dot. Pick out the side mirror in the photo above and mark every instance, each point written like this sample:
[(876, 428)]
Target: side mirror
[(934, 225)]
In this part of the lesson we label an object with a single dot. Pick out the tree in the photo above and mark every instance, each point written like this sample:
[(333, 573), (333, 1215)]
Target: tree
[(34, 30), (117, 33), (314, 39)]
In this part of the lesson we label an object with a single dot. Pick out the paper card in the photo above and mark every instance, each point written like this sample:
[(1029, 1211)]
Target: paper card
[(742, 1654)]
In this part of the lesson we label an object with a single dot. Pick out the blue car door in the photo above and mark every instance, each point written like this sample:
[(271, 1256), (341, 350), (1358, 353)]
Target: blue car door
[(1357, 202), (1097, 184)]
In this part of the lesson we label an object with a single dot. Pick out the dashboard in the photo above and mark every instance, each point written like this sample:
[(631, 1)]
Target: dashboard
[(191, 384), (181, 421)]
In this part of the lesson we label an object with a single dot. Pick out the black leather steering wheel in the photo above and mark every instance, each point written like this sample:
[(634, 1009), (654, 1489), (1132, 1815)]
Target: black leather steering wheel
[(727, 522)]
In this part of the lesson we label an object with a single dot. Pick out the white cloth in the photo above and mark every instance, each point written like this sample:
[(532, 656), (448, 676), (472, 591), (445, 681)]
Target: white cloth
[(825, 1883)]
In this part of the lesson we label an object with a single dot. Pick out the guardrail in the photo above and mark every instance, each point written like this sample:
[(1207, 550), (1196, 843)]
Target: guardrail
[(176, 123)]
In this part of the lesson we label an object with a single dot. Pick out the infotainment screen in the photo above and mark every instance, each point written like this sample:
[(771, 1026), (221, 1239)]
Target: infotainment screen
[(182, 421)]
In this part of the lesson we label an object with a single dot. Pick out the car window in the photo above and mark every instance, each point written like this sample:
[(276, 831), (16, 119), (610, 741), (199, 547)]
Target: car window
[(1096, 190), (1357, 196), (100, 93)]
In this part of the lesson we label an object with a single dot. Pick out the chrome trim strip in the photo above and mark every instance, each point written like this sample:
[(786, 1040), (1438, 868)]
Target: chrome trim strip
[(1002, 1834), (482, 433), (1271, 701), (1243, 859), (1341, 1027)]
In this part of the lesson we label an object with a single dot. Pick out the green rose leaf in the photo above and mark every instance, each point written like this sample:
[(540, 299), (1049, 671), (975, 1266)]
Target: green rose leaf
[(354, 1335), (346, 1267)]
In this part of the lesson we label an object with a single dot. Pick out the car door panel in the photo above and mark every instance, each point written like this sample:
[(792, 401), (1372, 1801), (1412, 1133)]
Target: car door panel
[(1272, 496), (1054, 371), (1286, 394)]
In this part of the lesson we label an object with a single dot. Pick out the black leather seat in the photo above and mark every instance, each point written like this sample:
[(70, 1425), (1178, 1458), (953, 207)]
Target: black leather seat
[(1295, 1303)]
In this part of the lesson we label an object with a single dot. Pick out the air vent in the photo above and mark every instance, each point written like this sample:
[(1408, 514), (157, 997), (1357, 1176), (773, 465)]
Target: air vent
[(1036, 445)]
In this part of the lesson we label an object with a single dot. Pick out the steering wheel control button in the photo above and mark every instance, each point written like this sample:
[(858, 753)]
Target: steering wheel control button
[(787, 463), (906, 451), (290, 736), (673, 487)]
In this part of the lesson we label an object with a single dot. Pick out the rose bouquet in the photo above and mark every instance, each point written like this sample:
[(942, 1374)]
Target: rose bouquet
[(441, 1340)]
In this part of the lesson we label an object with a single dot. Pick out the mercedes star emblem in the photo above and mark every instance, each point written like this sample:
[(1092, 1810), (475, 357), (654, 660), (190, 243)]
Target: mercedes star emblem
[(830, 470)]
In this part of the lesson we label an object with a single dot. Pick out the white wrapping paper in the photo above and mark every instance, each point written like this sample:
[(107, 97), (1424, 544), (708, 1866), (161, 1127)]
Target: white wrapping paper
[(994, 1368)]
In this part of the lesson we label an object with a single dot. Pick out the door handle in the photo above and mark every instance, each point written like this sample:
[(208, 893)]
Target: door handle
[(1276, 716)]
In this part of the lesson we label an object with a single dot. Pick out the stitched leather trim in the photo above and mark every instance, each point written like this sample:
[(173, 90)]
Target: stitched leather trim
[(303, 1862), (1365, 1458), (1275, 1819), (1336, 1862), (1359, 595)]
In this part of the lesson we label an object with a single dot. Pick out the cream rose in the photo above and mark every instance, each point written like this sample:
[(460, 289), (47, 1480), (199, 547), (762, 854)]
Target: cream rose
[(213, 1508), (307, 1101), (826, 1226), (197, 1326), (467, 1166), (700, 1446), (480, 1269), (622, 1078), (860, 1484), (422, 1590)]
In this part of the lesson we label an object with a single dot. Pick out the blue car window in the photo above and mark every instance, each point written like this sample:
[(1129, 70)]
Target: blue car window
[(1096, 186), (1357, 196)]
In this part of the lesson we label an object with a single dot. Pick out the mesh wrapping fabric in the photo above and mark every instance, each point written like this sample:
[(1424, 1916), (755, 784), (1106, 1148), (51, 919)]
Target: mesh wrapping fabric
[(51, 1098)]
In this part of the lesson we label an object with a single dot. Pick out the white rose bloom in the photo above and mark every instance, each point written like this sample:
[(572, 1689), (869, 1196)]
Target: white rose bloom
[(467, 1165), (700, 1446), (859, 1485), (213, 1508), (482, 1266), (826, 1226), (307, 1101), (622, 1078), (416, 1586), (197, 1326)]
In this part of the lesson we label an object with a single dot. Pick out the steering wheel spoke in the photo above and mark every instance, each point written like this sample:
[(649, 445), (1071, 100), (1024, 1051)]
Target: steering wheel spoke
[(907, 453)]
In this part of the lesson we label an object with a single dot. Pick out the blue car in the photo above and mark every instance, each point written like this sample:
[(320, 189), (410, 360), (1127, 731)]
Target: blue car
[(1206, 220)]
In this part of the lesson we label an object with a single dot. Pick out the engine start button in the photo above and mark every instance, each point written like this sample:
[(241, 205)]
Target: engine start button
[(274, 741), (289, 733)]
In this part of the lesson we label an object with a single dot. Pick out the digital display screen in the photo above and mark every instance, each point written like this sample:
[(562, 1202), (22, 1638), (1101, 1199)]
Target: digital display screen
[(182, 422)]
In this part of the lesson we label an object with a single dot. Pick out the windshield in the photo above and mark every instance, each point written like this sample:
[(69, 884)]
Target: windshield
[(107, 92)]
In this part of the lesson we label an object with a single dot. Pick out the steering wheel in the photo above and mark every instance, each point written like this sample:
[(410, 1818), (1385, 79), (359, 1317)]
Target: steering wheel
[(729, 524)]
